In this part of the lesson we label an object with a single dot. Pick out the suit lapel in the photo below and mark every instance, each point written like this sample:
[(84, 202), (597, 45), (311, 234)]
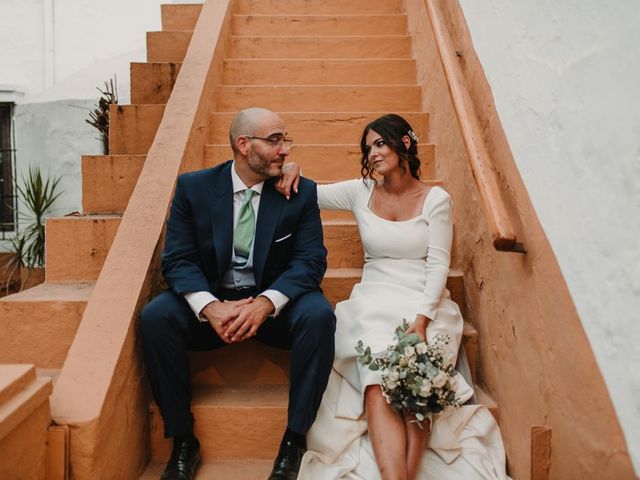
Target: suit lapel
[(222, 219), (268, 215)]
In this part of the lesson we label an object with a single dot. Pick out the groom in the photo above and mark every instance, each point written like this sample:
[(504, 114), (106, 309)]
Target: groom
[(241, 261)]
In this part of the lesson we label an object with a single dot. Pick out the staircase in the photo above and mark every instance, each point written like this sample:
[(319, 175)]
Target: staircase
[(328, 69)]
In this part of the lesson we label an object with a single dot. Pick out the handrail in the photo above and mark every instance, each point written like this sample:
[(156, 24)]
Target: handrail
[(100, 391), (500, 225)]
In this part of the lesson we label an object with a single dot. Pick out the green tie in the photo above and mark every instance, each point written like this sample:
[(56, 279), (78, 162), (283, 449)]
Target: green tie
[(245, 226)]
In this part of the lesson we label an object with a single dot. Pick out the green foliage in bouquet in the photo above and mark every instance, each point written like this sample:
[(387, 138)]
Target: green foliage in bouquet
[(417, 377)]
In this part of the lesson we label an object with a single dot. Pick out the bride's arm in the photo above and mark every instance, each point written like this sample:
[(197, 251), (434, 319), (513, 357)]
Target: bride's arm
[(438, 253), (336, 196), (340, 195)]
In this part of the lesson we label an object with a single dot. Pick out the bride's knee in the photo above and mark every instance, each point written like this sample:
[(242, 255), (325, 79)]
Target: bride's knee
[(373, 397)]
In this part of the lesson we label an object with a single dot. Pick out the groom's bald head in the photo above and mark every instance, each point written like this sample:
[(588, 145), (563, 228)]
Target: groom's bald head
[(248, 122)]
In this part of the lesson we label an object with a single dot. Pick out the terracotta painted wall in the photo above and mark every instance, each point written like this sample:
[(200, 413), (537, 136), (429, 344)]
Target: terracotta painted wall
[(536, 360)]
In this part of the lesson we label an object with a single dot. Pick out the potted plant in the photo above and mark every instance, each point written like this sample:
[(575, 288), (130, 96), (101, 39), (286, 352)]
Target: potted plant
[(38, 194)]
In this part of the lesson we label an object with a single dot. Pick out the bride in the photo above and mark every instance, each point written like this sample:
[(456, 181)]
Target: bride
[(406, 232)]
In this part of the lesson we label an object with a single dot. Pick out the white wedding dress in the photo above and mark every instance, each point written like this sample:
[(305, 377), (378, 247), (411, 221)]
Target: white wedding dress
[(405, 273)]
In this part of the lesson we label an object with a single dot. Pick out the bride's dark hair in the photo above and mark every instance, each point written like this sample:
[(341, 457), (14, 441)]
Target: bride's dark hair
[(392, 128)]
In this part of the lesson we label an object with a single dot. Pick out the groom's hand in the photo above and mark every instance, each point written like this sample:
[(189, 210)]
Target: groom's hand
[(250, 317), (220, 314)]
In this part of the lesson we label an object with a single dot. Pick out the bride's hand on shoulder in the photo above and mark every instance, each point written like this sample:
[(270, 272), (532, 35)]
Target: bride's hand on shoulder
[(289, 179), (419, 326)]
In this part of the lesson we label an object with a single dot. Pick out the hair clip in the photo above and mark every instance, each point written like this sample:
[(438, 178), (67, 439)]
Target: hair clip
[(413, 136)]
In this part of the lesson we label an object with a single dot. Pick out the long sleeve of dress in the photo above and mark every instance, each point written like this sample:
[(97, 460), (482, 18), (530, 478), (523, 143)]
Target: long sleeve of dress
[(439, 251), (340, 195)]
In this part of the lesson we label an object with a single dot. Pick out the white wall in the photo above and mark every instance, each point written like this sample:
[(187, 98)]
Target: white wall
[(54, 54), (566, 80)]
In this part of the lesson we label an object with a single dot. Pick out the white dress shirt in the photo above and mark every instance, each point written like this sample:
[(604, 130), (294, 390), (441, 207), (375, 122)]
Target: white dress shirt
[(198, 300)]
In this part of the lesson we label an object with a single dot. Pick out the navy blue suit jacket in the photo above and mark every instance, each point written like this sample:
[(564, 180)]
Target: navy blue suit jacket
[(199, 236)]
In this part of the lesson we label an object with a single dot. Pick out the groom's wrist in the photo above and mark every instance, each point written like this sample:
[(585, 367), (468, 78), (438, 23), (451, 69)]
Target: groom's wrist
[(267, 303)]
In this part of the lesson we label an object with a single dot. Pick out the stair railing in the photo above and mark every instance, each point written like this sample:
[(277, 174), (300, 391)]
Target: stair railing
[(101, 392), (501, 227)]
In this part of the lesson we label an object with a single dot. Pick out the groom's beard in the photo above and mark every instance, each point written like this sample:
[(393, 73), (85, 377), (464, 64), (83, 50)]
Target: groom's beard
[(266, 167)]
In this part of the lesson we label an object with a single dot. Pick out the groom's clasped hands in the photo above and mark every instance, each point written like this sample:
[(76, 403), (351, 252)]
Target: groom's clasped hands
[(239, 320)]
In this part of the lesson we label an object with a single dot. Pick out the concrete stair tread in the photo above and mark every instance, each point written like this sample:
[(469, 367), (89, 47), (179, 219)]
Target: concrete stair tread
[(324, 6), (50, 373), (313, 46), (357, 98), (311, 60), (255, 413), (240, 396), (180, 16), (316, 37), (317, 127), (48, 291), (244, 469), (77, 246), (485, 399), (317, 15)]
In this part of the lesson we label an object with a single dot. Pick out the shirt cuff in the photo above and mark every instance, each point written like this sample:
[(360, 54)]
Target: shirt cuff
[(278, 299), (197, 301)]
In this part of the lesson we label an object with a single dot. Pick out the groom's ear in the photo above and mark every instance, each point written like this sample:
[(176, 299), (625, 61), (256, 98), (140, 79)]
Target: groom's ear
[(242, 145)]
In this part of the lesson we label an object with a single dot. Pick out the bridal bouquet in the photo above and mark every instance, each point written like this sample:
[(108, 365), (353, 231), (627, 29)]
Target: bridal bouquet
[(416, 375)]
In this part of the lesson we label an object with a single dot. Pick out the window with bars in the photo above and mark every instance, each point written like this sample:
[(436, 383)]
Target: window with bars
[(7, 185)]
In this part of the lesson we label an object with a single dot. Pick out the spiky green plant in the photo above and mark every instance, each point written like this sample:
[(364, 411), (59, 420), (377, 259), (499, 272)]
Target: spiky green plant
[(12, 267), (39, 195)]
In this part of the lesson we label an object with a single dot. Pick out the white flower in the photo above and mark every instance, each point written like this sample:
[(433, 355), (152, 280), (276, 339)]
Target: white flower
[(439, 380), (409, 351), (391, 384), (421, 348), (393, 375), (425, 390)]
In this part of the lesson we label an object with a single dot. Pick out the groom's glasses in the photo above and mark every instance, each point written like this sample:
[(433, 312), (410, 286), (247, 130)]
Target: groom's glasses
[(274, 140)]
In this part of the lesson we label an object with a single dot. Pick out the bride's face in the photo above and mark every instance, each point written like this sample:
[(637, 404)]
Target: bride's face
[(382, 159)]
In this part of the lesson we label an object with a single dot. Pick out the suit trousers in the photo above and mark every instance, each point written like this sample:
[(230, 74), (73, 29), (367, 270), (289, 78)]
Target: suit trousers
[(170, 329)]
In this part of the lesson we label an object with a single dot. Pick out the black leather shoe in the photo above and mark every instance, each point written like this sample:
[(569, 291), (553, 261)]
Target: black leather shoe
[(287, 463), (184, 460)]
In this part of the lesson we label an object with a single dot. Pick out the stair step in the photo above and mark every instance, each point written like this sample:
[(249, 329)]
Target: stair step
[(153, 82), (43, 321), (290, 47), (344, 247), (132, 128), (77, 246), (108, 181), (471, 347), (319, 7), (180, 17), (338, 283), (228, 365), (329, 162), (321, 98), (322, 127), (225, 470), (168, 46), (24, 419), (362, 24), (231, 422), (269, 366), (485, 399), (273, 71)]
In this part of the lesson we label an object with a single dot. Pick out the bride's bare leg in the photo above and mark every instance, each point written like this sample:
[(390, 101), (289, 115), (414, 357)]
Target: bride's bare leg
[(388, 437), (417, 440)]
